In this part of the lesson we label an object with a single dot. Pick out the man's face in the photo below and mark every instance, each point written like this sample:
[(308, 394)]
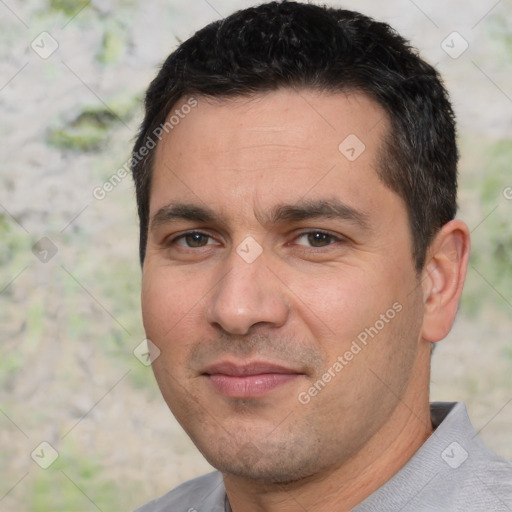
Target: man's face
[(279, 283)]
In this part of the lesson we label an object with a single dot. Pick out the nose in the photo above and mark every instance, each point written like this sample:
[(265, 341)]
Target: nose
[(248, 295)]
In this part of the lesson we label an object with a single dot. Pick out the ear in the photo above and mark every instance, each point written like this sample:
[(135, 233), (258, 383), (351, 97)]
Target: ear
[(443, 279)]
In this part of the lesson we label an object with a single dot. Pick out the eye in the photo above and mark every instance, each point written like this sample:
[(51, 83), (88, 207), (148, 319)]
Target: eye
[(316, 239), (194, 240)]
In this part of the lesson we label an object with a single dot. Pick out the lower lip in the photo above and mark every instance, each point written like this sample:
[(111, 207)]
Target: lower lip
[(249, 386)]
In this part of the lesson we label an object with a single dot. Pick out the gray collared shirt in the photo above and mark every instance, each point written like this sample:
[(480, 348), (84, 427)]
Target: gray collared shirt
[(452, 472)]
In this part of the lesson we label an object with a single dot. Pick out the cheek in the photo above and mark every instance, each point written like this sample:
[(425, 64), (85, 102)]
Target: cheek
[(169, 304), (339, 305), (156, 302)]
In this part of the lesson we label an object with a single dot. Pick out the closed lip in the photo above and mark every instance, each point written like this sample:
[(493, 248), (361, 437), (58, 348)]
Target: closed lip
[(247, 369)]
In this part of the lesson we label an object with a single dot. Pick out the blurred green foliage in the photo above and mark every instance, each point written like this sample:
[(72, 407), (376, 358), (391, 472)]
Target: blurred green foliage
[(490, 271), (14, 241), (68, 7), (489, 283), (77, 481), (113, 44), (91, 129)]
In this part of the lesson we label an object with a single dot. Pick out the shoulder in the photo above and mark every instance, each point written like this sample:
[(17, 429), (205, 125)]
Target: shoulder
[(470, 476), (453, 471), (487, 480), (203, 493)]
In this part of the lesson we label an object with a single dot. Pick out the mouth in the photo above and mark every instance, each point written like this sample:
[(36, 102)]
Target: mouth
[(250, 380)]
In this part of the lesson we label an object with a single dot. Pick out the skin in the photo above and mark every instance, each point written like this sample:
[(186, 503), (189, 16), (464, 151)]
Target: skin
[(320, 280)]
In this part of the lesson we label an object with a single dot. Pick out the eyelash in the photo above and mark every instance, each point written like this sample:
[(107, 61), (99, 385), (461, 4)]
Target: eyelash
[(182, 236), (334, 238)]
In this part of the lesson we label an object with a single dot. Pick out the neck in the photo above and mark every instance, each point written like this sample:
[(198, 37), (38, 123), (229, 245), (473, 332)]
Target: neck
[(343, 487)]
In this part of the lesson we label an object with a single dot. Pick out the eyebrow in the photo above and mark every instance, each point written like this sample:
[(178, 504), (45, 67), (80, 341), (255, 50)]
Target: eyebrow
[(296, 212), (183, 211), (312, 209)]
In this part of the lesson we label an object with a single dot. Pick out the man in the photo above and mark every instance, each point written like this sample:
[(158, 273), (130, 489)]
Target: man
[(296, 184)]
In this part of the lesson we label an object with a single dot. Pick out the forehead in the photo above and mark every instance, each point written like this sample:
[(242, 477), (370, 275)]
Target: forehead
[(283, 145)]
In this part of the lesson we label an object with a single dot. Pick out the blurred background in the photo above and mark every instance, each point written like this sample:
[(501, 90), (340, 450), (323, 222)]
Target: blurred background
[(72, 78)]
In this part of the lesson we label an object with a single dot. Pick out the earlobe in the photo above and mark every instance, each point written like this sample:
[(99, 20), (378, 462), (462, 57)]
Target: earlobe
[(443, 279)]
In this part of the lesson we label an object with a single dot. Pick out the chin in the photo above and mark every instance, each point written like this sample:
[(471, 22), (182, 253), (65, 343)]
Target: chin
[(266, 465), (266, 474)]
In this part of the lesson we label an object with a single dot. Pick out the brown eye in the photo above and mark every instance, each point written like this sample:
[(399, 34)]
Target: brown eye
[(316, 239), (319, 239), (193, 240)]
